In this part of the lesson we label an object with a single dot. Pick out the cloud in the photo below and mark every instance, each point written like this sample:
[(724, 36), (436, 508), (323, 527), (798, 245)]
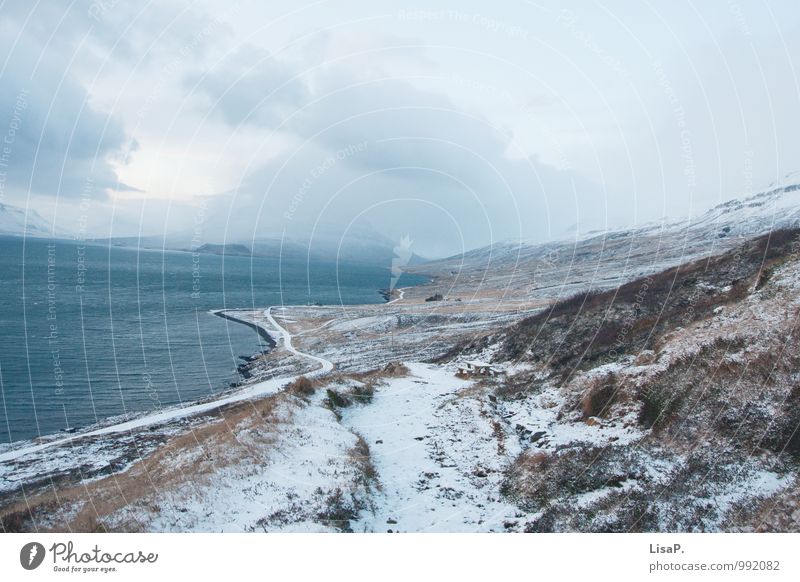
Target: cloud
[(382, 153), (55, 142), (250, 87), (120, 30)]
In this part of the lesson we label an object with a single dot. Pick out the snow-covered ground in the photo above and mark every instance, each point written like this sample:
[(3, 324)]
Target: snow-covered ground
[(430, 451), (436, 454)]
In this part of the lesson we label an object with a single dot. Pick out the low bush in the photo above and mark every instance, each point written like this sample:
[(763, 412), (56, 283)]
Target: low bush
[(337, 511), (363, 393), (659, 406), (599, 398), (302, 386), (337, 399)]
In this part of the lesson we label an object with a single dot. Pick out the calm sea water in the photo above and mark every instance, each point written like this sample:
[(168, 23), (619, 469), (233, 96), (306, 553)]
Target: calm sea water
[(89, 332)]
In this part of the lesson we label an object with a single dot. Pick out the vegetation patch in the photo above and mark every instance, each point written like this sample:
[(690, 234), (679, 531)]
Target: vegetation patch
[(598, 400), (302, 386)]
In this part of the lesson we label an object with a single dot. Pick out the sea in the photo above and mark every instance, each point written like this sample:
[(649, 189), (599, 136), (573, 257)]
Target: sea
[(89, 332)]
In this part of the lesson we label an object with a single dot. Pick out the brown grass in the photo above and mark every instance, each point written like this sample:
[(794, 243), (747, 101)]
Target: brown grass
[(302, 386), (184, 460), (601, 396)]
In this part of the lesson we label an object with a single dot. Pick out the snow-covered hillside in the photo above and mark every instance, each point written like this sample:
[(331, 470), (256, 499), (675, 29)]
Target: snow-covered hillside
[(645, 383), (17, 221), (746, 217)]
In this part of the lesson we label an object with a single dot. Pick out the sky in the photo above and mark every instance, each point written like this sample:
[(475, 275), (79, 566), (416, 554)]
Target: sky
[(457, 124)]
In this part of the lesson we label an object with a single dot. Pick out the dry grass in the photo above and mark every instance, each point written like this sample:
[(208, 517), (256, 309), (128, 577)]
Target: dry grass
[(186, 459), (302, 386), (361, 457), (602, 394)]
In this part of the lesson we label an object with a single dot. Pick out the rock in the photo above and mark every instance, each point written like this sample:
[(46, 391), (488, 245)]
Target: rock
[(379, 442), (391, 521), (537, 435)]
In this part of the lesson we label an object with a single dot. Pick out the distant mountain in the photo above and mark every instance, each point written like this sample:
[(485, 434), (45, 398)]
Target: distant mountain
[(18, 221), (604, 260), (775, 208), (367, 247), (228, 249), (722, 225)]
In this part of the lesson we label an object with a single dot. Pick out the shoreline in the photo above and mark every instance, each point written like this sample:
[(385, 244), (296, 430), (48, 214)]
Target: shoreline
[(263, 333), (166, 416), (245, 369), (246, 389)]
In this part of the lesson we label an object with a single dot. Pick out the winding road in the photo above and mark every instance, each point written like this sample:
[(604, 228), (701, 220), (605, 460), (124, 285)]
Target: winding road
[(326, 366), (401, 293)]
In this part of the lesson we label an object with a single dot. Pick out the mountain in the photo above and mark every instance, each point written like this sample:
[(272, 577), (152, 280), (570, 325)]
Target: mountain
[(559, 391), (372, 249), (18, 221), (603, 260), (228, 249), (363, 246), (669, 403)]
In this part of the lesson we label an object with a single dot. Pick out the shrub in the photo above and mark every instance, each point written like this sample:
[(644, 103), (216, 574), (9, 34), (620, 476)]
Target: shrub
[(599, 399), (337, 399), (362, 457), (363, 393), (659, 406), (302, 386), (17, 521), (395, 370), (337, 511), (783, 433)]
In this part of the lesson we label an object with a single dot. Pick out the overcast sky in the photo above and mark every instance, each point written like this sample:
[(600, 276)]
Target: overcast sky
[(458, 125)]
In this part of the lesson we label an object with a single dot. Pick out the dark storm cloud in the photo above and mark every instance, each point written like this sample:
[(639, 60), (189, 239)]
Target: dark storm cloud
[(62, 144), (403, 160), (56, 142)]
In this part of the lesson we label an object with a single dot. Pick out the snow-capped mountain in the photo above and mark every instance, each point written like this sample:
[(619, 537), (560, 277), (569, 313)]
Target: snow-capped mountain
[(770, 210), (18, 221), (677, 239)]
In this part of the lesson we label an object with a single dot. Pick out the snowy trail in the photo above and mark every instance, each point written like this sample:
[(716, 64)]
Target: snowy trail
[(259, 389), (426, 443)]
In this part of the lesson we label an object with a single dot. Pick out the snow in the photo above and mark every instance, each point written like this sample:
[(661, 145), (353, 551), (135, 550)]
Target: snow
[(283, 490), (426, 450), (285, 337), (20, 221), (441, 445)]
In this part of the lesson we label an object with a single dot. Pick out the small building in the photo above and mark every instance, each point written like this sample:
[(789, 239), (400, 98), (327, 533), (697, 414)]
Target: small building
[(472, 368)]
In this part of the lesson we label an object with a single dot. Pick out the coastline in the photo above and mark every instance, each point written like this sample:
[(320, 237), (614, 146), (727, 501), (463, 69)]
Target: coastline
[(163, 418), (245, 369), (244, 387), (265, 335)]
